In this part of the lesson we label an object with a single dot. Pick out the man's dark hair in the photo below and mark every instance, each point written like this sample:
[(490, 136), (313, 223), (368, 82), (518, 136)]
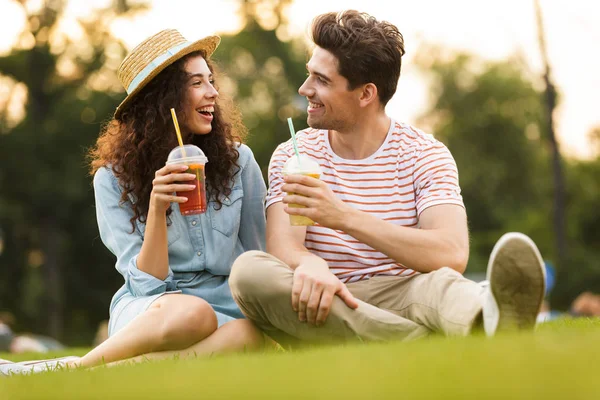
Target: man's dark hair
[(368, 50)]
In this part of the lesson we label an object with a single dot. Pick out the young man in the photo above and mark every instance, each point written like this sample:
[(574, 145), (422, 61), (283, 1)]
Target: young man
[(386, 255)]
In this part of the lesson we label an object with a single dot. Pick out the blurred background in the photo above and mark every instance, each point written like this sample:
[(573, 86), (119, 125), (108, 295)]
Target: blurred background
[(510, 87)]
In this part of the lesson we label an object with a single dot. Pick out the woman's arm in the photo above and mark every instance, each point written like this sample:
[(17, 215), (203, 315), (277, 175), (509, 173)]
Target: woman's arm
[(143, 261), (154, 255)]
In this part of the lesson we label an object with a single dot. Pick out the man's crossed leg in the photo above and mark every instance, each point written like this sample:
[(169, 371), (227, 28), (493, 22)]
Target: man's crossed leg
[(398, 308)]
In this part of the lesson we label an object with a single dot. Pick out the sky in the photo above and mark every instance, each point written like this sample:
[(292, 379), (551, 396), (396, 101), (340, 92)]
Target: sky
[(492, 30)]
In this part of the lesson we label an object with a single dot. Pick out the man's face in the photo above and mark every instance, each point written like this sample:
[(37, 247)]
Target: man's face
[(330, 104)]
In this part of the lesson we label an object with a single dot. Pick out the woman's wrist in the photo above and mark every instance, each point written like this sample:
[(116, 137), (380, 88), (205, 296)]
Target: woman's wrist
[(156, 212)]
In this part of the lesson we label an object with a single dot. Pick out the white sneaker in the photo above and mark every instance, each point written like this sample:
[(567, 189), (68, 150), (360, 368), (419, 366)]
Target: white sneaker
[(517, 282), (52, 364), (9, 367), (28, 367)]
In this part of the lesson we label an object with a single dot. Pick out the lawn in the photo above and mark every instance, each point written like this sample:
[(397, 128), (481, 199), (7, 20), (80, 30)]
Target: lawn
[(561, 360)]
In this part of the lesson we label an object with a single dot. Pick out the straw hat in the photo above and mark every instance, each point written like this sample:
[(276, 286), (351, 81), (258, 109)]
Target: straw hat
[(153, 55)]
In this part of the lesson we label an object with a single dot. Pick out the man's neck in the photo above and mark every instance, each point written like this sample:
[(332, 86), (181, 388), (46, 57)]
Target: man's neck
[(362, 140)]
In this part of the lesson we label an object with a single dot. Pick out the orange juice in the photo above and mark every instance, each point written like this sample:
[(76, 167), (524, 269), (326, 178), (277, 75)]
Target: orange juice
[(299, 220), (196, 203), (194, 158), (303, 166)]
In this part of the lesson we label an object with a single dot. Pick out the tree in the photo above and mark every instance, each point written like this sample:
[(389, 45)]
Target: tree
[(557, 169), (56, 271), (581, 271), (594, 138), (46, 203), (490, 116), (264, 73)]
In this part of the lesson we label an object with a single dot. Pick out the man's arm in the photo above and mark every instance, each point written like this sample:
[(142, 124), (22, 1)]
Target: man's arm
[(314, 285), (285, 241), (441, 241)]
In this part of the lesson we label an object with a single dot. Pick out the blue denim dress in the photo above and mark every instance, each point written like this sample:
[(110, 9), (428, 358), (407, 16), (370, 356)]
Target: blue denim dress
[(202, 247)]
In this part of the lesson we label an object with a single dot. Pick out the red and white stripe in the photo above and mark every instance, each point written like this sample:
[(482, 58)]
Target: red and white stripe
[(410, 172)]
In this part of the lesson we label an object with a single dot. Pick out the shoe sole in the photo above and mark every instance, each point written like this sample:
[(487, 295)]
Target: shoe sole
[(517, 280)]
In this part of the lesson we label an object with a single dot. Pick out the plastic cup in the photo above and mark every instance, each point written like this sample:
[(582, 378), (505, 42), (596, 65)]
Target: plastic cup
[(304, 166), (193, 157)]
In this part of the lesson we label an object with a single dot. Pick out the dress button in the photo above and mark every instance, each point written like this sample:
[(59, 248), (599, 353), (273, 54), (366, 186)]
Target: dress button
[(194, 222), (199, 253)]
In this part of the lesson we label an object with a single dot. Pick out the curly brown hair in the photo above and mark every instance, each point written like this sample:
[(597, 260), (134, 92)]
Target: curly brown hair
[(137, 144), (367, 50)]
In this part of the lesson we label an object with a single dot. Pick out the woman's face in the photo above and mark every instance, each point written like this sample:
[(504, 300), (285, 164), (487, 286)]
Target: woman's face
[(200, 97)]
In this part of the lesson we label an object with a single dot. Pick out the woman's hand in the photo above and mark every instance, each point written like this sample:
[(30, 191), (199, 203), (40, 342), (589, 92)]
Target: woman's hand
[(168, 180)]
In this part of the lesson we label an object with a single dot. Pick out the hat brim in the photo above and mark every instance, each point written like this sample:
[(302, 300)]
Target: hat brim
[(207, 45)]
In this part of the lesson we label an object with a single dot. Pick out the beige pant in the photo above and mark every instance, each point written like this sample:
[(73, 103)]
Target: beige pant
[(389, 307)]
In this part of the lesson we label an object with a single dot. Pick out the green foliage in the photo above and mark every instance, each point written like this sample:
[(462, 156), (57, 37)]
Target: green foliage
[(584, 191), (264, 74), (490, 116), (482, 113), (55, 272), (56, 275), (54, 266), (582, 273)]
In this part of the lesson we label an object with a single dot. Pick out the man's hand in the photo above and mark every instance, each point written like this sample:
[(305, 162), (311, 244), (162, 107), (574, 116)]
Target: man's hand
[(322, 205), (313, 290)]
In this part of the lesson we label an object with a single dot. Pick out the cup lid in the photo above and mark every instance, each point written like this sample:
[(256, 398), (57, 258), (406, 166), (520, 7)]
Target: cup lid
[(189, 153), (304, 165)]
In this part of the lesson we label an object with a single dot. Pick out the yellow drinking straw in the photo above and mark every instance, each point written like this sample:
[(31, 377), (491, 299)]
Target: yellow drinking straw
[(177, 131)]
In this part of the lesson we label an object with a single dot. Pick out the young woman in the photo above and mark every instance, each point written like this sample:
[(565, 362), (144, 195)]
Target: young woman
[(176, 296)]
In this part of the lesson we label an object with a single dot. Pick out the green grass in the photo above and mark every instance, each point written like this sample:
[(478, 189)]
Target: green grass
[(560, 360)]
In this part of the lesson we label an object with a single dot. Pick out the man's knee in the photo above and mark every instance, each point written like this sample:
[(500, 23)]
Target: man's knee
[(255, 272), (247, 271), (450, 273)]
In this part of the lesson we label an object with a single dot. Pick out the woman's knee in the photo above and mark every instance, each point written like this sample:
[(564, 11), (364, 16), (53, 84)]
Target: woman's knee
[(246, 335), (186, 320)]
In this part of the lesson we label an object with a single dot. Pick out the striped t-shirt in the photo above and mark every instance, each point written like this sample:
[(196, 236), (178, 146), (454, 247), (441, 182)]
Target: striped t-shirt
[(410, 172)]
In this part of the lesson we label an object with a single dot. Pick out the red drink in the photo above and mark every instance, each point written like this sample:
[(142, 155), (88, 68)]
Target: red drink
[(194, 158), (196, 203)]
